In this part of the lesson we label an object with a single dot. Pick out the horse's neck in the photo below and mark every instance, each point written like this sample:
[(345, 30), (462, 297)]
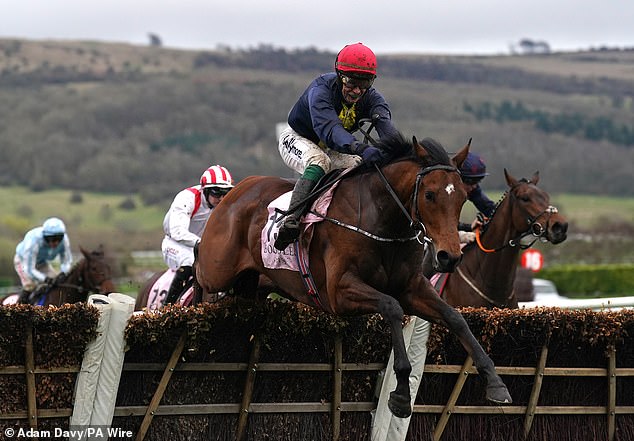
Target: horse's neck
[(402, 179), (69, 292), (495, 271), (375, 208), (75, 275)]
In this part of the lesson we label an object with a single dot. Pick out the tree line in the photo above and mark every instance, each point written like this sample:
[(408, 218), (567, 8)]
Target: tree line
[(571, 124), (139, 127)]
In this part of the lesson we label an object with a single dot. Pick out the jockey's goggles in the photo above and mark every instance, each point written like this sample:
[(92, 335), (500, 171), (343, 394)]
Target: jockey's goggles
[(353, 83), (218, 191), (471, 181), (54, 238)]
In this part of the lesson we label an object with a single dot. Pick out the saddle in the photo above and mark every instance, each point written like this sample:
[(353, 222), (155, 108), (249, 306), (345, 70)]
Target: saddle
[(324, 183)]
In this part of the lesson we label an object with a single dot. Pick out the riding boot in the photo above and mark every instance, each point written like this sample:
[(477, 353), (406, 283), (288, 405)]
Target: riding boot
[(178, 284), (289, 231), (24, 297)]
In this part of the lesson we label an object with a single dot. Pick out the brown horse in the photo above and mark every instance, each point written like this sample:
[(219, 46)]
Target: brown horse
[(486, 274), (152, 294), (145, 291), (364, 257), (92, 274)]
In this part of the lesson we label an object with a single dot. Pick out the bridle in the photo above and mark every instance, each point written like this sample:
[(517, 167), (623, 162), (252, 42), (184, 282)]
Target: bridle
[(536, 229), (418, 224), (79, 286)]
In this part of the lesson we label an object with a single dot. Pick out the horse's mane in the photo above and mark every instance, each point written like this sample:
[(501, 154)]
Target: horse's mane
[(397, 148)]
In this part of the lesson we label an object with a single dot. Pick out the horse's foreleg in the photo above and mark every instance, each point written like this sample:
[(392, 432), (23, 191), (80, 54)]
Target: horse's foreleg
[(434, 309), (399, 402), (496, 390)]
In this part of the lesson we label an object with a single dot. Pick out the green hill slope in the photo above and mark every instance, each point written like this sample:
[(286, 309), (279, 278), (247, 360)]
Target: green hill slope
[(121, 118)]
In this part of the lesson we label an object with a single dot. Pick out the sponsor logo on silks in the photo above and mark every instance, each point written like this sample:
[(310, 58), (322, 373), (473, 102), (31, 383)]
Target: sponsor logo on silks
[(289, 145)]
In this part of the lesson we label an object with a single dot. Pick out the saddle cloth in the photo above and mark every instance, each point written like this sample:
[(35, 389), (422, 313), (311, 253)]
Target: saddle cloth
[(158, 292), (272, 258)]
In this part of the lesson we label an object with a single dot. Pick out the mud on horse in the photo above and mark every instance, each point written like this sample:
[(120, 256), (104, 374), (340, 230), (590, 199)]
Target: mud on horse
[(366, 256)]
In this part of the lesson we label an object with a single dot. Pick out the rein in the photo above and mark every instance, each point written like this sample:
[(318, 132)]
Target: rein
[(477, 290), (367, 233), (417, 225)]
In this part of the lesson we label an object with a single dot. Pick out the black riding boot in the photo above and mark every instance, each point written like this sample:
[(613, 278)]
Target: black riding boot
[(178, 284), (289, 231), (24, 297)]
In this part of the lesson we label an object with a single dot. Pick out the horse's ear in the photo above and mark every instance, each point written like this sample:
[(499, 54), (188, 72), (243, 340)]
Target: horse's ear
[(84, 252), (420, 150), (510, 180), (535, 178), (460, 157)]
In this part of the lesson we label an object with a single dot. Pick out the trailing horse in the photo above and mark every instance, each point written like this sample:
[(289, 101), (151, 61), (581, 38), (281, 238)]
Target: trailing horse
[(91, 274), (153, 293), (365, 256), (486, 274)]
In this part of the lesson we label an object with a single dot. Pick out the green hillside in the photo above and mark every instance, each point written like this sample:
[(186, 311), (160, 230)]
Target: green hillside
[(121, 118)]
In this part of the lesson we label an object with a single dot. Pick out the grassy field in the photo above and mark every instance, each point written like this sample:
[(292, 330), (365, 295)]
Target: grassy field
[(585, 213), (97, 219)]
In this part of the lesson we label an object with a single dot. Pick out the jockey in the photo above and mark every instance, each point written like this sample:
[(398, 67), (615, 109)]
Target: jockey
[(473, 171), (185, 221), (33, 255), (319, 137)]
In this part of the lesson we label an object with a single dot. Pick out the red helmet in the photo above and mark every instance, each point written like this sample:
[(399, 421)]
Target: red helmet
[(357, 60), (216, 176)]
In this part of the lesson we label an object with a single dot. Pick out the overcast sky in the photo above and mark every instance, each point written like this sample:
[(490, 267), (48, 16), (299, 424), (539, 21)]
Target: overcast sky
[(387, 26)]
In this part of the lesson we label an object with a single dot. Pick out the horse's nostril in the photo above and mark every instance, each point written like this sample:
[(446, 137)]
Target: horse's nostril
[(560, 228), (446, 261)]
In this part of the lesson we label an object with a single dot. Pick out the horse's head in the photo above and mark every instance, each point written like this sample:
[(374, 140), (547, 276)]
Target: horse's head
[(97, 273), (532, 211), (439, 198)]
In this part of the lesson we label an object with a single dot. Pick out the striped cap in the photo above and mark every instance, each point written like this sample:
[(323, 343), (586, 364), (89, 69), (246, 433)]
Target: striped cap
[(216, 176)]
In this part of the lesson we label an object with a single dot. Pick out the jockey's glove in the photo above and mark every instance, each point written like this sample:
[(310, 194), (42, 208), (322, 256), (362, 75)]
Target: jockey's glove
[(358, 147), (49, 281), (372, 155), (369, 153)]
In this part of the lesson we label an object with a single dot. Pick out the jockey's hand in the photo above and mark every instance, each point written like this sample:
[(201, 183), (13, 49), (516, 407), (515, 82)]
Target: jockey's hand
[(368, 153), (60, 277), (372, 155), (466, 236), (49, 281), (477, 223)]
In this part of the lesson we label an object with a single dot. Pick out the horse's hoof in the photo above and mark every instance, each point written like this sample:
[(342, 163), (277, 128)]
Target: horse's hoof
[(399, 406), (499, 395)]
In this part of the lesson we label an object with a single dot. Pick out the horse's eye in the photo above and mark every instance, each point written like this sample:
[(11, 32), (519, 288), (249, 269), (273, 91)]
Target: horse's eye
[(525, 198), (430, 195)]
